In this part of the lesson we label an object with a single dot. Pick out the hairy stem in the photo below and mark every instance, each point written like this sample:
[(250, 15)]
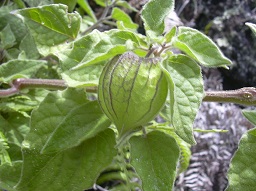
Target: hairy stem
[(243, 96)]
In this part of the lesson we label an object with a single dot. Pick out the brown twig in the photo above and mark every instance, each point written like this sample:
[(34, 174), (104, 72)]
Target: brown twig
[(22, 83), (243, 96)]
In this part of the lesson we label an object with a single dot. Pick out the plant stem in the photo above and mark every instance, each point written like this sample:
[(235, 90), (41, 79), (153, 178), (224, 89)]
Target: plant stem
[(22, 83), (243, 96)]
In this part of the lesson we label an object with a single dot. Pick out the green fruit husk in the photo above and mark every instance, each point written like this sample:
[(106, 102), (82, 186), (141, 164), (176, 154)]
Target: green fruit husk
[(132, 90)]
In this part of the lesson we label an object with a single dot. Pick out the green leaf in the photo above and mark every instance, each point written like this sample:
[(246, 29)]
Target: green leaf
[(7, 37), (12, 53), (13, 32), (242, 170), (199, 47), (84, 77), (19, 69), (120, 15), (154, 14), (9, 175), (51, 112), (73, 169), (103, 3), (185, 151), (51, 25), (18, 28), (15, 127), (252, 27), (169, 36), (126, 5), (99, 46), (250, 115), (14, 152), (28, 45), (76, 128), (167, 115), (86, 7), (154, 157), (188, 94), (19, 103), (4, 155)]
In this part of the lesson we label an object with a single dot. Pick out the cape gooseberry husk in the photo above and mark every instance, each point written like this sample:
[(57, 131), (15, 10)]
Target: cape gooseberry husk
[(132, 90)]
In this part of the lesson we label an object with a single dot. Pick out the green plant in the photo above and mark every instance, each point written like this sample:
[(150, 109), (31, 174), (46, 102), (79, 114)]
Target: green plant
[(54, 135)]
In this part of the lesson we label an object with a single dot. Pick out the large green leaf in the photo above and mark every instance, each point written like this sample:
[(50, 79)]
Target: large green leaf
[(62, 170), (73, 169), (188, 94), (99, 46), (51, 25), (250, 115), (154, 14), (154, 157), (51, 112), (81, 123), (19, 69), (242, 171), (199, 47)]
